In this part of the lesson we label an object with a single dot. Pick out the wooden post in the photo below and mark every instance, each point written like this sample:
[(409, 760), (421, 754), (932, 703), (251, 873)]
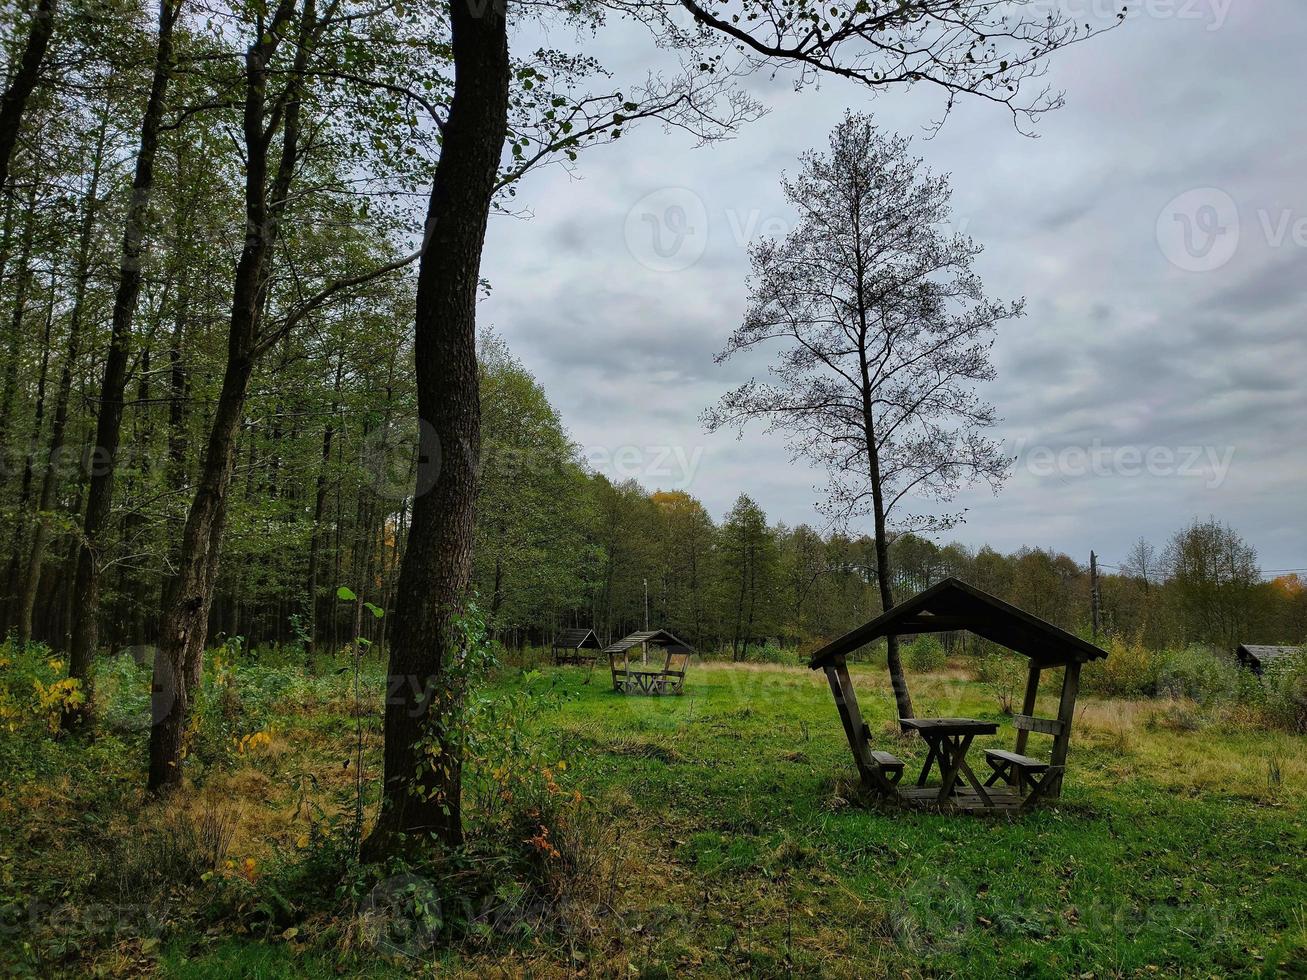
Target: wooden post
[(1093, 592), (1065, 711), (1028, 705), (841, 686)]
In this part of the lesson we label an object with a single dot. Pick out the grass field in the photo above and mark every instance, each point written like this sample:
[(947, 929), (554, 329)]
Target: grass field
[(722, 836)]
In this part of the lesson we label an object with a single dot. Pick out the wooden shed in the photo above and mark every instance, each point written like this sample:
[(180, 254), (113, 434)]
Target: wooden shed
[(575, 646), (1256, 657), (954, 605)]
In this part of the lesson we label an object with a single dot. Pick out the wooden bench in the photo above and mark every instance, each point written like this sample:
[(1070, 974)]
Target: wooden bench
[(1022, 771), (890, 766), (628, 679)]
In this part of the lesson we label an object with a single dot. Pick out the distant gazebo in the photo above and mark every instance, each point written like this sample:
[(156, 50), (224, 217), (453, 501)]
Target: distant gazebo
[(667, 678), (954, 605), (1256, 657), (576, 646)]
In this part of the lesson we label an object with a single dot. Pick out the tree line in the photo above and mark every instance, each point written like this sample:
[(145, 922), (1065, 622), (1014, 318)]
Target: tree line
[(559, 546)]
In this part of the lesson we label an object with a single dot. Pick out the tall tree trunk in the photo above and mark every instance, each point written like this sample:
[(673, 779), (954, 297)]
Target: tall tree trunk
[(24, 80), (22, 290), (108, 429), (9, 390), (177, 388), (183, 630), (319, 507), (189, 595), (893, 659), (418, 797), (50, 478), (17, 548)]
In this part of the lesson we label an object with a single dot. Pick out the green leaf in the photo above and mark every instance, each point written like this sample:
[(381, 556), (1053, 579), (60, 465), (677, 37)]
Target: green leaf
[(376, 611), (346, 594)]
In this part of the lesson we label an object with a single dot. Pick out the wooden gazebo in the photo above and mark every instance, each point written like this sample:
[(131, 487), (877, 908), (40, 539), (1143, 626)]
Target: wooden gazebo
[(665, 678), (954, 605), (575, 646)]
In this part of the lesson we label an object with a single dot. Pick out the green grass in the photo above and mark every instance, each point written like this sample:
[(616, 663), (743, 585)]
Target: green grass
[(742, 850)]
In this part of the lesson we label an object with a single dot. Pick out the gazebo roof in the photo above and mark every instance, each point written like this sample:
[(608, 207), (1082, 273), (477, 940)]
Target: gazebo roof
[(954, 605), (576, 639), (659, 638), (1263, 654)]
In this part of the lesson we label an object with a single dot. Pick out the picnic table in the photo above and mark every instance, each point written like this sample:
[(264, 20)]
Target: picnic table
[(948, 740)]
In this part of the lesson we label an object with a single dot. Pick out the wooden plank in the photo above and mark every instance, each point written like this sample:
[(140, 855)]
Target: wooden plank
[(1016, 759), (1002, 801), (1065, 712), (1029, 723), (949, 726)]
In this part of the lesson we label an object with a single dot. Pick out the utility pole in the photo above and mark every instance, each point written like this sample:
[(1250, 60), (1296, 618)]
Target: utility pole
[(644, 647), (1093, 591)]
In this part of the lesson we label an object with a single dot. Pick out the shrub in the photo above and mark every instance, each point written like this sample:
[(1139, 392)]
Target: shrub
[(1285, 681), (34, 688), (1198, 673), (1129, 670), (926, 654), (772, 653), (122, 693), (1175, 716)]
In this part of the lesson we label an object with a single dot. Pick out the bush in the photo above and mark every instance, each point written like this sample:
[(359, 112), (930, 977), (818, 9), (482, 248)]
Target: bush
[(122, 693), (1285, 681), (1198, 673), (1175, 716), (926, 654), (34, 688), (1128, 671), (773, 653)]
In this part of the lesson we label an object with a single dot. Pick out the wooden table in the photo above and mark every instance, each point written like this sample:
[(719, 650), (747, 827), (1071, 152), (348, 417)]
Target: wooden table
[(949, 739)]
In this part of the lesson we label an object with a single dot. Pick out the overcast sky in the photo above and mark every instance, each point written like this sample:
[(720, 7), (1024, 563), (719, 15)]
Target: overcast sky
[(1157, 227)]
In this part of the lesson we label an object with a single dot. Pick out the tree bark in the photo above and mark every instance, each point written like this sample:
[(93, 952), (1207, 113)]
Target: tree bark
[(419, 798), (18, 542), (894, 662), (15, 97), (22, 289), (319, 508), (108, 429), (9, 391)]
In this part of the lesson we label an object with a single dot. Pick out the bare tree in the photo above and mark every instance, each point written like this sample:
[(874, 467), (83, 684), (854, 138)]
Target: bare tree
[(1141, 562), (885, 331)]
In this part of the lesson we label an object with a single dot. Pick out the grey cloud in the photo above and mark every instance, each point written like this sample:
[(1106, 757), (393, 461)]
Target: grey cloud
[(1119, 345)]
